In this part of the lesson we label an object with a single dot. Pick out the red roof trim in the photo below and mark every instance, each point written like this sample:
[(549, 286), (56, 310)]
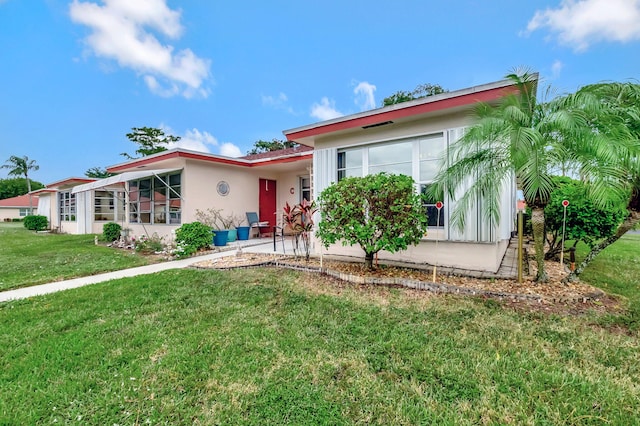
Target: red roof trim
[(204, 157), (394, 114), (70, 180)]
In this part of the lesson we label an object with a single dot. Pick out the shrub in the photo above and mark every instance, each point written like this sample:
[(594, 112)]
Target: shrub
[(111, 231), (300, 219), (585, 221), (192, 237), (36, 223), (377, 212), (152, 244)]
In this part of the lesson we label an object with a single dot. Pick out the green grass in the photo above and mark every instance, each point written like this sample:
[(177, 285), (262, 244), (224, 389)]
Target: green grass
[(617, 270), (272, 347), (267, 346), (30, 258)]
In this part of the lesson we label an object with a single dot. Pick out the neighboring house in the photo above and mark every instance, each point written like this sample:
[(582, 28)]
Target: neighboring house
[(410, 138), (59, 204), (160, 192), (17, 207)]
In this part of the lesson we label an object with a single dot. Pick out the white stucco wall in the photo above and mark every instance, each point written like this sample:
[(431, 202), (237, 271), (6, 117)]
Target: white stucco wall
[(455, 249), (9, 213)]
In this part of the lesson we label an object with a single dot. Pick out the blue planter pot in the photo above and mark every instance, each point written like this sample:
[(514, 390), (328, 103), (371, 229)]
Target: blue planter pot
[(232, 235), (243, 232), (220, 237)]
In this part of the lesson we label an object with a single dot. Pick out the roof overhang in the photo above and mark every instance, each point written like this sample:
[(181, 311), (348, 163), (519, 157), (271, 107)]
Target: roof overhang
[(119, 179), (405, 111), (177, 153), (68, 182)]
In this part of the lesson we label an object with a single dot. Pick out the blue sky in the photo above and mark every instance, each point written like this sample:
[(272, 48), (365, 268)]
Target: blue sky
[(76, 76)]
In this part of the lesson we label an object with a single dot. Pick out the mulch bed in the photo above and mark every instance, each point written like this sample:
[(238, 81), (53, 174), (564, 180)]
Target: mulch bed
[(553, 296)]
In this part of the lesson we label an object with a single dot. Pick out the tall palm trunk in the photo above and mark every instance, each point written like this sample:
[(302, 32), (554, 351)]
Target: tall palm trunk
[(537, 223), (629, 223)]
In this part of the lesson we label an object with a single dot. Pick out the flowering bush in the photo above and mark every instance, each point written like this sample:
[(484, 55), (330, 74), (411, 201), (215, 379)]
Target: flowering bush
[(192, 237), (147, 245)]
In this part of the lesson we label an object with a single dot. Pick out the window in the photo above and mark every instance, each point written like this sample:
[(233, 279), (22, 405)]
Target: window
[(305, 188), (418, 157), (67, 206), (350, 163), (392, 158), (155, 200), (24, 211), (435, 217), (108, 206)]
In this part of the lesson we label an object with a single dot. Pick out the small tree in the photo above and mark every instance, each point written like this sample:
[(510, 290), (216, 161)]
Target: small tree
[(585, 221), (97, 173), (421, 91), (300, 219), (150, 141), (378, 212), (261, 146)]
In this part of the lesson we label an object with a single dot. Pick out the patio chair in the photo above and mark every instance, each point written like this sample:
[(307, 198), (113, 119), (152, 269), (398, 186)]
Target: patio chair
[(254, 222)]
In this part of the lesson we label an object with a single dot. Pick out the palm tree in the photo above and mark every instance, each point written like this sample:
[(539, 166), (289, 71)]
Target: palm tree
[(612, 169), (20, 167), (518, 137)]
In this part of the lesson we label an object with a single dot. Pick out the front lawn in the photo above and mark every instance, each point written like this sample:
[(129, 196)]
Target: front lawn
[(30, 258), (272, 347)]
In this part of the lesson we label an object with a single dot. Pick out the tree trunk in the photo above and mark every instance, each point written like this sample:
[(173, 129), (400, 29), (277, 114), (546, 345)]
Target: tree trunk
[(368, 260), (629, 222), (537, 223)]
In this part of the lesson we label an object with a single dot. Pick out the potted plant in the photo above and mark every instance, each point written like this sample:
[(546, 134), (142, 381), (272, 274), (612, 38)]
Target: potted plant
[(231, 223), (243, 230), (221, 225)]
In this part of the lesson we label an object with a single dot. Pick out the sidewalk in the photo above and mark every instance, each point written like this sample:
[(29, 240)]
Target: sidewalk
[(264, 245)]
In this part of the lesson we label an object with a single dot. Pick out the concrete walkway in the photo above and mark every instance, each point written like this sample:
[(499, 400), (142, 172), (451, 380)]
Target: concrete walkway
[(507, 269), (263, 245)]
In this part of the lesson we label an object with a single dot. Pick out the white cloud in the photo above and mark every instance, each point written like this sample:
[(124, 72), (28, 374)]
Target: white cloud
[(365, 98), (202, 141), (556, 68), (325, 110), (580, 23), (276, 101), (230, 150), (125, 31), (196, 140)]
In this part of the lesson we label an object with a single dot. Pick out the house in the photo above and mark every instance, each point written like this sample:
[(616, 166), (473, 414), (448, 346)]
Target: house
[(158, 193), (17, 207), (58, 205), (410, 138)]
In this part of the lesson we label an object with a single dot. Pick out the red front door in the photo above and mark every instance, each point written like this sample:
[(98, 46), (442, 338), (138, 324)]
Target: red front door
[(267, 202)]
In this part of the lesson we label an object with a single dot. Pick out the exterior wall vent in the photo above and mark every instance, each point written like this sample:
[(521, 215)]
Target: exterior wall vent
[(384, 123)]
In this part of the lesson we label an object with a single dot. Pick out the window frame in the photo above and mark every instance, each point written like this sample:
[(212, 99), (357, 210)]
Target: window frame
[(305, 189), (146, 208), (67, 206), (416, 160), (116, 205)]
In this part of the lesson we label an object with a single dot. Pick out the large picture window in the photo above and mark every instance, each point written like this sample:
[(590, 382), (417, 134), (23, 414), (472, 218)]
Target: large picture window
[(417, 157), (108, 206), (156, 200), (67, 206)]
